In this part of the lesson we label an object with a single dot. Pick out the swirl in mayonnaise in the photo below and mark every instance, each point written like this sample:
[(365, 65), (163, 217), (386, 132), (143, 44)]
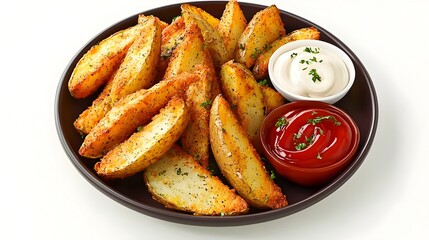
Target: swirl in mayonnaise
[(311, 71)]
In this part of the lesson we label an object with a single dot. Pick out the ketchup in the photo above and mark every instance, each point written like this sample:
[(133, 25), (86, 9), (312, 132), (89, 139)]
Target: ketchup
[(310, 138)]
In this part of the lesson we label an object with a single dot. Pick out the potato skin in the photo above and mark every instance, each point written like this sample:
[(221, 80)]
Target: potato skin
[(98, 64), (195, 139), (139, 67), (146, 146), (239, 161), (212, 39), (180, 183), (231, 26), (94, 113), (244, 95), (265, 27), (189, 53), (272, 99), (130, 112)]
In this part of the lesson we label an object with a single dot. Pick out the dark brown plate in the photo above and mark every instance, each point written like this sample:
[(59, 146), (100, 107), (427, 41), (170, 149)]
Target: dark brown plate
[(360, 103)]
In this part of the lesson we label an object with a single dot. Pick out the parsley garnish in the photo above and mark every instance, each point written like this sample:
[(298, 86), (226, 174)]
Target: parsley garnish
[(293, 55), (319, 119), (263, 82), (272, 176), (310, 50), (206, 104), (139, 128), (256, 54), (281, 122), (315, 75)]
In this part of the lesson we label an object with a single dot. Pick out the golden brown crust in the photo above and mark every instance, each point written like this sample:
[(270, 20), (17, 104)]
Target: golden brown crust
[(130, 112), (147, 145), (97, 65), (238, 160)]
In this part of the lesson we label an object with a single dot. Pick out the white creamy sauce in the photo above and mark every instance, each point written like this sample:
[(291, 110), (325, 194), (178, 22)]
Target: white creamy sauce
[(311, 72)]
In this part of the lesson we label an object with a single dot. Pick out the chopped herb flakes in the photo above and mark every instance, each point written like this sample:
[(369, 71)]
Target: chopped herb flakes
[(281, 122)]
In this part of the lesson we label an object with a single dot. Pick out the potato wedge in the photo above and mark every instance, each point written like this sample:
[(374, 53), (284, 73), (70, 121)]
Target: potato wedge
[(195, 139), (265, 27), (238, 160), (212, 39), (98, 64), (244, 94), (94, 113), (172, 36), (272, 99), (130, 112), (260, 69), (142, 18), (213, 21), (231, 26), (188, 54), (139, 68), (146, 146), (179, 182)]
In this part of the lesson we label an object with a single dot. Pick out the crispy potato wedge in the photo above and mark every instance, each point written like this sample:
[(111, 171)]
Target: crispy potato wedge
[(272, 99), (139, 68), (179, 182), (94, 113), (95, 68), (188, 54), (212, 38), (195, 139), (142, 18), (245, 96), (213, 21), (146, 146), (172, 36), (231, 26), (265, 27), (130, 112), (239, 161), (260, 69)]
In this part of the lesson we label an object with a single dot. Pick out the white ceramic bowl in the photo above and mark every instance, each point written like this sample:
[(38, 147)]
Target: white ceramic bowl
[(283, 88)]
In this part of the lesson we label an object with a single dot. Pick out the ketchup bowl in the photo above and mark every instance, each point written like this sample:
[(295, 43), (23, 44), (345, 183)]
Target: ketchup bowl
[(309, 142)]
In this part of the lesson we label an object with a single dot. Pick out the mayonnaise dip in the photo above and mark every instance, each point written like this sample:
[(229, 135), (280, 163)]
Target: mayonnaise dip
[(311, 71)]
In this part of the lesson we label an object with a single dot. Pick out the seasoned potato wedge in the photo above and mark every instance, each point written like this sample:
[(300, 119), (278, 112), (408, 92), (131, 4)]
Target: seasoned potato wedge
[(260, 69), (187, 54), (95, 68), (207, 17), (212, 39), (272, 99), (139, 68), (148, 144), (130, 112), (245, 96), (94, 113), (238, 160), (179, 182), (195, 139), (172, 36), (265, 27), (142, 18), (231, 26)]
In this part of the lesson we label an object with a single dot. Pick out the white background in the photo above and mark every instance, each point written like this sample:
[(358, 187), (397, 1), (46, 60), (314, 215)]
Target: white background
[(44, 197)]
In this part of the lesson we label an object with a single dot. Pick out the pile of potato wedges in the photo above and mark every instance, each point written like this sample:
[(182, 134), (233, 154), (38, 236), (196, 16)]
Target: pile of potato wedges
[(175, 96)]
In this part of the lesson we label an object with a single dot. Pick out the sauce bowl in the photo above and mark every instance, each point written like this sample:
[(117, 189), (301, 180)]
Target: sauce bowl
[(286, 89), (307, 176)]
